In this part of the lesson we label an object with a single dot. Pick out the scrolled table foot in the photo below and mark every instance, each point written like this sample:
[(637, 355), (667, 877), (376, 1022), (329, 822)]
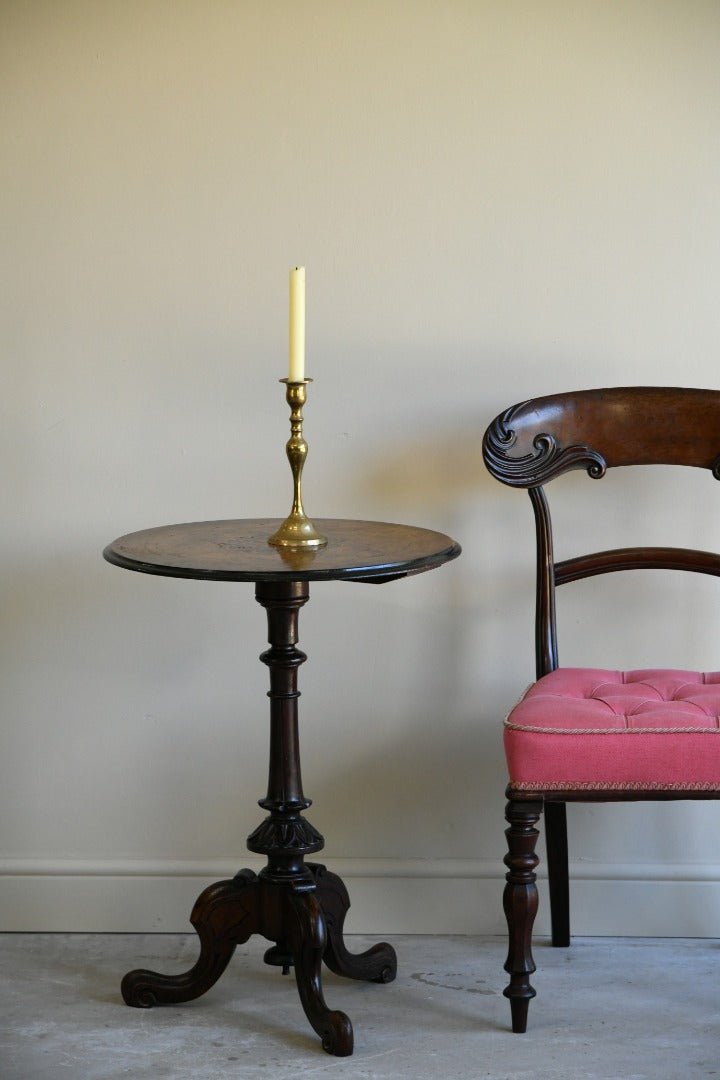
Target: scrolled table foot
[(307, 938), (225, 915), (377, 964), (336, 1034), (138, 990), (144, 989)]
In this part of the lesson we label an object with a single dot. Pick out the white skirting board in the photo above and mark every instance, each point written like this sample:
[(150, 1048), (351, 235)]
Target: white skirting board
[(388, 896)]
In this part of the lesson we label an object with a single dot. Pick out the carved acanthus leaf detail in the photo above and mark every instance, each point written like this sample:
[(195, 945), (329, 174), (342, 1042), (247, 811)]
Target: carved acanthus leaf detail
[(547, 460), (274, 834)]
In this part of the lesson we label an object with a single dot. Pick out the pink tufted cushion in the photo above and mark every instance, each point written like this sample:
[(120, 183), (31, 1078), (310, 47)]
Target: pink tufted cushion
[(591, 729)]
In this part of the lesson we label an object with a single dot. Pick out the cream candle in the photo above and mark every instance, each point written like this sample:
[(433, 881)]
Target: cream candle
[(297, 325)]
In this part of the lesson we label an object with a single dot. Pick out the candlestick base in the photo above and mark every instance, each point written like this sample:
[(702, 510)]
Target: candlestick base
[(297, 530)]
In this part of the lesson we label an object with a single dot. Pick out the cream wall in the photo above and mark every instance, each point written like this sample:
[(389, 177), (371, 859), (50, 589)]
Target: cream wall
[(493, 200)]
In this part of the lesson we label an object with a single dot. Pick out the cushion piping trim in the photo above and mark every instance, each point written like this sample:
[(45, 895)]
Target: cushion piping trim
[(595, 785), (614, 731)]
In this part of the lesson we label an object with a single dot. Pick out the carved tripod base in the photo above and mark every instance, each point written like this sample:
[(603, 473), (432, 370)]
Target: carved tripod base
[(298, 905), (304, 917)]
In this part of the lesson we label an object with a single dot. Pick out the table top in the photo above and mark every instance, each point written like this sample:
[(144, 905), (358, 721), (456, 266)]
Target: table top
[(238, 550)]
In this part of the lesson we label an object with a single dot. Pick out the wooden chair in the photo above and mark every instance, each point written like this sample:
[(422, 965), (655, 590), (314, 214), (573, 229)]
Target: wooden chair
[(588, 734)]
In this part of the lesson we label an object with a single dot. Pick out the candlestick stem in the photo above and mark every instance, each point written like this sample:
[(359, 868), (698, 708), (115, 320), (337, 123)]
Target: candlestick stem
[(297, 531)]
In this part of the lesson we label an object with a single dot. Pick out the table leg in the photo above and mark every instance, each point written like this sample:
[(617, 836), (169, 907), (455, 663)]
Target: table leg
[(299, 906), (225, 915), (377, 964)]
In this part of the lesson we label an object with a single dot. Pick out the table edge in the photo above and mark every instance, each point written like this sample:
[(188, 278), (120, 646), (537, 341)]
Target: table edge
[(361, 573)]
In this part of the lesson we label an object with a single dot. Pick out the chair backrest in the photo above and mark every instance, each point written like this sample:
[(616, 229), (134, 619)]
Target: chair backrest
[(535, 441)]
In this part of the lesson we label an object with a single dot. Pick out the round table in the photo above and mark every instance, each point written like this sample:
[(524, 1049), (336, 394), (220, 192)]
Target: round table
[(299, 906)]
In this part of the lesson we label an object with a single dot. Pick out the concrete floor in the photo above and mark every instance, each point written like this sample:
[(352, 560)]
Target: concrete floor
[(607, 1009)]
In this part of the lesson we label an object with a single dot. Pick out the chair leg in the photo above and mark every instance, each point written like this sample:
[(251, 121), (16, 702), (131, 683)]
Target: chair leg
[(520, 901), (557, 857)]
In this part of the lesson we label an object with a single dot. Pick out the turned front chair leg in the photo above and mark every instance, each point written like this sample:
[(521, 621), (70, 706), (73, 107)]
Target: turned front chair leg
[(520, 901)]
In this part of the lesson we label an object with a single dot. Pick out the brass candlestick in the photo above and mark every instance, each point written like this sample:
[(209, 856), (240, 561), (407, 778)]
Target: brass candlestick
[(297, 530)]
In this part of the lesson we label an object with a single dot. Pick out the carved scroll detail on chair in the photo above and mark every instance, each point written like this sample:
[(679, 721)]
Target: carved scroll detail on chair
[(548, 461)]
